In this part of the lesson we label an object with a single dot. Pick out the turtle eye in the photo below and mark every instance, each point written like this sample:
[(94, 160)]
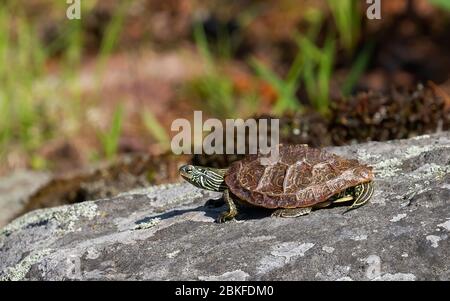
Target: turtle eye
[(188, 169)]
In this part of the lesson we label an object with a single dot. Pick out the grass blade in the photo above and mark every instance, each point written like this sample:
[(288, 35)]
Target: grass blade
[(110, 139), (357, 69), (155, 128), (202, 45), (266, 74), (445, 4)]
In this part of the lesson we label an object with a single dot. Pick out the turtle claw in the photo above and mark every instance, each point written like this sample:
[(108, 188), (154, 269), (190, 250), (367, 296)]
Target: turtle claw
[(348, 209), (232, 211), (225, 216), (277, 213)]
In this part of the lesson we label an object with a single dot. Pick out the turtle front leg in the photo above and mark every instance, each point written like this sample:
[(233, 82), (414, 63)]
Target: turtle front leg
[(232, 210), (362, 194), (291, 212)]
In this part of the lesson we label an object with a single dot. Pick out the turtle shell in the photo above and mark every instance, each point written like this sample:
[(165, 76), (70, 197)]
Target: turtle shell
[(301, 177)]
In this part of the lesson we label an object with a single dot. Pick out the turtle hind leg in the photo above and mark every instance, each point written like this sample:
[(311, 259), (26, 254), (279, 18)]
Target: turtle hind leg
[(232, 210), (291, 212), (362, 194)]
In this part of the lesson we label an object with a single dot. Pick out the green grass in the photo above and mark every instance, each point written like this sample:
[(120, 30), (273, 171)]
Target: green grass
[(348, 21), (112, 34), (286, 88), (358, 68), (214, 89), (311, 70), (110, 138), (34, 111), (155, 128), (203, 47), (444, 4), (33, 108), (312, 67), (317, 70), (22, 61)]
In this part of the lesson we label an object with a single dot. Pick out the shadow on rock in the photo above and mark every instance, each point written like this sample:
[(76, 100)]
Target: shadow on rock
[(212, 208)]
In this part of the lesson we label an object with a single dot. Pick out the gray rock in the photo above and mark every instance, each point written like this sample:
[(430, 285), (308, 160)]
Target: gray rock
[(15, 190), (166, 232)]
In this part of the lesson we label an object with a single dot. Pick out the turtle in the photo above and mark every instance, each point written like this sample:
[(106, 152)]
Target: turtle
[(300, 180)]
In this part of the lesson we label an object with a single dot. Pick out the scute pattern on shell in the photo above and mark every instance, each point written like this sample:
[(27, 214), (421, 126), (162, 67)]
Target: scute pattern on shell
[(302, 177)]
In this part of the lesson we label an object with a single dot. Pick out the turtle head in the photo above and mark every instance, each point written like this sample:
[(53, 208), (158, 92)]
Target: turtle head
[(204, 177)]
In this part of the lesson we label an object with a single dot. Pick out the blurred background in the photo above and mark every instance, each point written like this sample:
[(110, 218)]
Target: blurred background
[(87, 104)]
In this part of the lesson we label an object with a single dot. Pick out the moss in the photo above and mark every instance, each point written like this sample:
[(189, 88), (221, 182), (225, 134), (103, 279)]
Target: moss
[(430, 170), (388, 168), (391, 167), (20, 270), (414, 151), (146, 225), (364, 156), (64, 216)]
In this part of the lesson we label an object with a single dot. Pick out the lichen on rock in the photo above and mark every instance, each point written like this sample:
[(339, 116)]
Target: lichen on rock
[(65, 216), (166, 232)]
